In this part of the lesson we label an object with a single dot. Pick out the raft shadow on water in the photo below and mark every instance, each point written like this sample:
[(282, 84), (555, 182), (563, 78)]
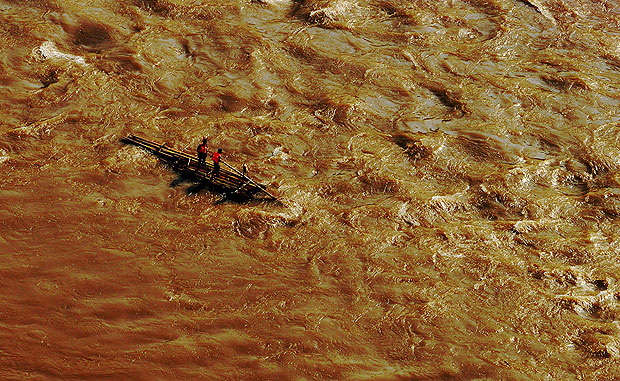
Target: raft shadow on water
[(196, 187)]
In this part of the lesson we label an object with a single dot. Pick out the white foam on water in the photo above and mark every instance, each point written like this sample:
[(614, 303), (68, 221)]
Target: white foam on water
[(4, 156), (48, 50), (279, 153)]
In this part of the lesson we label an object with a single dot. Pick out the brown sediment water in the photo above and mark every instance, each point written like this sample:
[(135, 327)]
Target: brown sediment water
[(448, 171)]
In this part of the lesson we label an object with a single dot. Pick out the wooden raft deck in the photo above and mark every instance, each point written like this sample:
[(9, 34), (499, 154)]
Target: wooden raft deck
[(229, 181)]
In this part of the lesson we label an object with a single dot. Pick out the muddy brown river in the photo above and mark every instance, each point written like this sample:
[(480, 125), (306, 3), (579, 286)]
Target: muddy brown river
[(448, 170)]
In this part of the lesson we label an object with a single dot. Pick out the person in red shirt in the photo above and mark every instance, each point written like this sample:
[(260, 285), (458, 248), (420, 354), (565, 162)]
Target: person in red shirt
[(202, 151), (216, 162)]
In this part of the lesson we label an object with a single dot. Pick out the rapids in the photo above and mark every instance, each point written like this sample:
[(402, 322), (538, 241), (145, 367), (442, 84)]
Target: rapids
[(449, 172)]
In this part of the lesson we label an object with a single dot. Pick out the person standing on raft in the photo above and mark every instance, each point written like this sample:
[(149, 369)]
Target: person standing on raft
[(202, 151), (216, 162)]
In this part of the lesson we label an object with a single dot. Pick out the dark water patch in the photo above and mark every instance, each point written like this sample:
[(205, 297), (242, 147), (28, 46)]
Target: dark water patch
[(550, 143), (601, 284), (230, 102), (159, 7), (413, 147), (449, 98), (396, 10), (49, 78), (590, 169), (498, 205), (562, 64), (188, 50), (612, 60), (592, 289), (14, 28), (332, 111), (481, 147), (376, 183), (564, 279), (592, 343), (91, 35), (595, 164), (605, 200), (138, 28), (565, 82), (601, 312), (312, 11), (573, 185), (536, 272)]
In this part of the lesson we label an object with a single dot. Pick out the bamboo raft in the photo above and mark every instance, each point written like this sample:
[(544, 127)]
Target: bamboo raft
[(231, 182)]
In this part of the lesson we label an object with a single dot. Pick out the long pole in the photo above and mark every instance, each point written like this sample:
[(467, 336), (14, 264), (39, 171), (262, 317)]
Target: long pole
[(252, 181)]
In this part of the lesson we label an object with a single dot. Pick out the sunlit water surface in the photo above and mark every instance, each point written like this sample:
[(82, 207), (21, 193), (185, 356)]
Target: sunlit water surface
[(448, 171)]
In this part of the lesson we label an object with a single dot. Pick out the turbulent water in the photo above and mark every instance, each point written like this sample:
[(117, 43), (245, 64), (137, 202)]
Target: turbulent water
[(448, 170)]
